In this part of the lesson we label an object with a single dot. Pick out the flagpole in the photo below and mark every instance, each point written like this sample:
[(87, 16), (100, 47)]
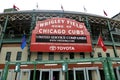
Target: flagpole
[(99, 37), (85, 10), (62, 10), (105, 13), (37, 6)]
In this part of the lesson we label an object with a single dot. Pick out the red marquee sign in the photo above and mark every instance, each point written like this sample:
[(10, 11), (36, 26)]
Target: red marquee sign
[(60, 35)]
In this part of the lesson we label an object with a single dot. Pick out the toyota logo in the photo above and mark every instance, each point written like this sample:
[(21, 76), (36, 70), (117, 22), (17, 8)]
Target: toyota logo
[(52, 48)]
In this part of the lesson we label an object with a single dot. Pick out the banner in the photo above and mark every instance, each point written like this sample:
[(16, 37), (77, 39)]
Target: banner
[(101, 43)]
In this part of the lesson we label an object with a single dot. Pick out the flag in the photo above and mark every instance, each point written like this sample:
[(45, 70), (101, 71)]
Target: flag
[(23, 44), (101, 43), (105, 13), (85, 10), (15, 7), (62, 8)]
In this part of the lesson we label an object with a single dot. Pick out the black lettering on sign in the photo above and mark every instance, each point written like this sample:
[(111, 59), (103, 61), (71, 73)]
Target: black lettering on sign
[(61, 38)]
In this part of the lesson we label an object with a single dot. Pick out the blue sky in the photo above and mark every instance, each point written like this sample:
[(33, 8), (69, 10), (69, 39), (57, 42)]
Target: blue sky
[(112, 7)]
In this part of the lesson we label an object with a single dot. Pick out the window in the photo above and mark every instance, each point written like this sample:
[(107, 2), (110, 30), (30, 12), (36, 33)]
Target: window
[(51, 56), (82, 55), (8, 55), (39, 56), (91, 55), (107, 54), (99, 54), (71, 55), (19, 54)]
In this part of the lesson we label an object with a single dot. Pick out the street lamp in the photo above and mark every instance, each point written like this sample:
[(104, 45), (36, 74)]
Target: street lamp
[(17, 67), (64, 67)]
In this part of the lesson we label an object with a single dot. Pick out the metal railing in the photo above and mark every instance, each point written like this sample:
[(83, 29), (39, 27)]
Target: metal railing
[(107, 66), (8, 38)]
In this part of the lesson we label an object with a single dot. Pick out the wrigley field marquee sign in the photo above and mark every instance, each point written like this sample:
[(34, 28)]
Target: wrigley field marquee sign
[(60, 35)]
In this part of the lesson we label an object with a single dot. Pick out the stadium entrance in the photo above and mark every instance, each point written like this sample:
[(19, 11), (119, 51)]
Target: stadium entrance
[(47, 74), (91, 73), (86, 73)]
